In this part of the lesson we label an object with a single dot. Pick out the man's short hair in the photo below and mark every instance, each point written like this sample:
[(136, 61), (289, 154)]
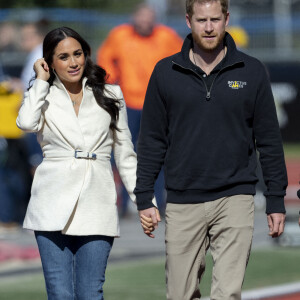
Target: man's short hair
[(190, 5), (141, 6)]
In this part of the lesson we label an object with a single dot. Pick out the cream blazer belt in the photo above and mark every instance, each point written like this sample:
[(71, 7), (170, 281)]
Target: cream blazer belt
[(79, 154)]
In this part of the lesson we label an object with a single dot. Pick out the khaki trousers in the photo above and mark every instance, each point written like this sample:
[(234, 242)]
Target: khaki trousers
[(226, 227)]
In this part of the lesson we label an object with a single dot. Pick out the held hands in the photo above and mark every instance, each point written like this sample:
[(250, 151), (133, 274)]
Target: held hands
[(41, 69), (149, 220), (276, 224)]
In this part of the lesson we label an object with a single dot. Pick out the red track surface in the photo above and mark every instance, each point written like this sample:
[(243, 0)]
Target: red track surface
[(287, 297), (293, 170), (10, 252)]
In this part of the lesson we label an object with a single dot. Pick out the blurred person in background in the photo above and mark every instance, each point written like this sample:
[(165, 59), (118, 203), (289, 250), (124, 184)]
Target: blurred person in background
[(15, 177), (8, 37), (129, 55), (32, 35), (79, 119), (207, 110), (9, 49)]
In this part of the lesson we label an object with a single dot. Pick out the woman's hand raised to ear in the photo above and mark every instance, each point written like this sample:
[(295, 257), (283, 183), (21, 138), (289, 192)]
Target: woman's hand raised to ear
[(41, 69)]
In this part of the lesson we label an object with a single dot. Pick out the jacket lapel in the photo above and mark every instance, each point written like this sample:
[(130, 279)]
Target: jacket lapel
[(62, 116)]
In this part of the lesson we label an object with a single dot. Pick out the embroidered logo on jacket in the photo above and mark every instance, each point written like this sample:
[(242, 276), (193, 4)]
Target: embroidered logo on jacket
[(236, 84)]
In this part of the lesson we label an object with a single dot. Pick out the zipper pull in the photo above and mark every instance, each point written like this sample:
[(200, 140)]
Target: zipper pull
[(208, 96)]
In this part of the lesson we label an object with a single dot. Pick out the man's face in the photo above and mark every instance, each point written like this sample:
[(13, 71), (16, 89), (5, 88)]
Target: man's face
[(144, 21), (30, 38), (208, 25)]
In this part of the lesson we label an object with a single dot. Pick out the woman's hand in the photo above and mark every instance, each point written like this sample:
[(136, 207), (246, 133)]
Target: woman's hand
[(41, 69)]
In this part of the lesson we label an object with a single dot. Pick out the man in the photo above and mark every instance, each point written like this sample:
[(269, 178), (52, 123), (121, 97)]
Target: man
[(32, 35), (207, 109), (129, 55)]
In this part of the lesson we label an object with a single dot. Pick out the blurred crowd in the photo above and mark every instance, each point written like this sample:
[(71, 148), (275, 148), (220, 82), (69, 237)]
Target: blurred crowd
[(20, 153)]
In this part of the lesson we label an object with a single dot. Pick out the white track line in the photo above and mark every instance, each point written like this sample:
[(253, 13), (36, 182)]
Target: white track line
[(272, 291)]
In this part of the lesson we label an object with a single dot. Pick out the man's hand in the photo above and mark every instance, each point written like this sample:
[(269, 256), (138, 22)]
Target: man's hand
[(149, 220), (276, 224)]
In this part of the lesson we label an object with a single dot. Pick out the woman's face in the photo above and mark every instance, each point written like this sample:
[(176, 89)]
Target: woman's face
[(69, 61)]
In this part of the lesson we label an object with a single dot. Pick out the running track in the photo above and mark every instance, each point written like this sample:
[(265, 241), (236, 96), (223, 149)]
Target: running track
[(287, 297), (293, 170)]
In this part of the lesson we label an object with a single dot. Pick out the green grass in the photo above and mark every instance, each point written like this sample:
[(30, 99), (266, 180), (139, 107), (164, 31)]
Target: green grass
[(137, 280), (292, 150), (145, 279), (267, 268), (30, 287)]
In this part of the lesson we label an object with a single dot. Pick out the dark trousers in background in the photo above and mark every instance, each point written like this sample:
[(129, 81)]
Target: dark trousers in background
[(12, 192), (134, 120), (15, 180)]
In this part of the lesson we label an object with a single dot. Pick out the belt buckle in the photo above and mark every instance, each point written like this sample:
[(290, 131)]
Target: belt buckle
[(76, 153), (82, 154)]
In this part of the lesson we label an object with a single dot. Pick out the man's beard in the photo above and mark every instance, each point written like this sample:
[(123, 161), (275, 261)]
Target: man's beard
[(206, 46)]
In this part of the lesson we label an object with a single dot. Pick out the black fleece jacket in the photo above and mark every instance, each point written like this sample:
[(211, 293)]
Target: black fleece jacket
[(206, 137)]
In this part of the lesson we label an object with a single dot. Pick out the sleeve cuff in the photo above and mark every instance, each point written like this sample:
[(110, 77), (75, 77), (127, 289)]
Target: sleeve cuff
[(275, 204), (144, 200), (41, 82)]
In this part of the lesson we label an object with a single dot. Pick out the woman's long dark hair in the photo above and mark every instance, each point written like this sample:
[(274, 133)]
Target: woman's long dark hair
[(96, 76)]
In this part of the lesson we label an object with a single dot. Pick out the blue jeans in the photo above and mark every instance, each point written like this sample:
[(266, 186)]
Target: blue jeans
[(73, 266)]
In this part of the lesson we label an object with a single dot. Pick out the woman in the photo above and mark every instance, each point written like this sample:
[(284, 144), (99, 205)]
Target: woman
[(79, 120)]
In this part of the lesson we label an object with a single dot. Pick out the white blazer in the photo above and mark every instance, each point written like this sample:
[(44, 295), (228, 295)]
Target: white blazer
[(76, 195)]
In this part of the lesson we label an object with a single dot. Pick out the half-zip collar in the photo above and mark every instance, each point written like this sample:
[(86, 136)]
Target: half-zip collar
[(232, 57), (182, 59)]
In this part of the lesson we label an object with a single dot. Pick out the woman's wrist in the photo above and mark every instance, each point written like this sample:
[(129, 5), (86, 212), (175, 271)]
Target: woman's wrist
[(42, 78)]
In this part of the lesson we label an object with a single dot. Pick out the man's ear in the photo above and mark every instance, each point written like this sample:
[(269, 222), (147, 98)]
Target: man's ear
[(227, 17), (188, 21)]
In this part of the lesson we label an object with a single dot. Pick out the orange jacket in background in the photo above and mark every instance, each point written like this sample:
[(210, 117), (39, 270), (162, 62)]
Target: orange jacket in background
[(129, 58)]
